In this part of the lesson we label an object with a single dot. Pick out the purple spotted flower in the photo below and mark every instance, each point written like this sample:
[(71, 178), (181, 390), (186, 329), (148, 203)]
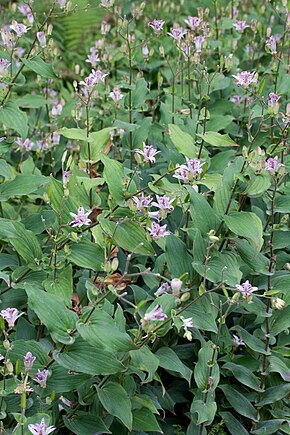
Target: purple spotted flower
[(28, 361), (157, 25), (163, 289), (271, 44), (65, 178), (272, 165), (40, 429), (273, 99), (157, 231), (18, 28), (93, 58), (10, 315), (142, 202), (93, 79), (4, 65), (81, 218), (164, 204), (149, 153), (177, 33), (240, 26), (155, 314), (198, 41), (246, 289), (116, 95), (41, 377), (237, 99), (193, 22), (245, 79), (238, 341), (41, 36)]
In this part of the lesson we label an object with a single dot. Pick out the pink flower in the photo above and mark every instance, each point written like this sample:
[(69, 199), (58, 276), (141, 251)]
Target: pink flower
[(186, 49), (81, 218), (93, 57), (93, 79), (149, 153), (40, 429), (271, 44), (240, 26), (56, 110), (273, 99), (245, 79), (4, 65), (177, 33), (28, 361), (142, 202), (10, 315), (155, 314), (157, 231), (272, 165), (24, 144), (18, 28), (193, 22), (246, 289), (194, 167), (157, 25), (41, 36), (55, 138), (65, 178), (145, 51), (198, 41), (182, 173), (116, 95), (237, 99), (163, 289), (41, 377), (7, 37), (164, 205), (187, 323), (238, 341)]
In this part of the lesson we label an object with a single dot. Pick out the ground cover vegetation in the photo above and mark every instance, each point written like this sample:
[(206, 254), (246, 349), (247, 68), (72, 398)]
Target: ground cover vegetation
[(144, 228)]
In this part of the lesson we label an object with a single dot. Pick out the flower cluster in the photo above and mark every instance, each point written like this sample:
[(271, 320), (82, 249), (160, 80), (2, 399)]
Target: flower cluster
[(189, 172)]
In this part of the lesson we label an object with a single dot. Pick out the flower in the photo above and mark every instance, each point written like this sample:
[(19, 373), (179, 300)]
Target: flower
[(41, 36), (187, 323), (245, 79), (273, 99), (157, 231), (18, 28), (24, 144), (176, 285), (155, 314), (271, 44), (142, 202), (237, 99), (55, 138), (177, 33), (157, 25), (40, 429), (61, 3), (149, 153), (7, 37), (145, 51), (56, 110), (28, 361), (65, 178), (41, 377), (107, 3), (193, 22), (246, 289), (198, 41), (164, 205), (238, 341), (93, 57), (272, 165), (163, 289), (4, 65), (186, 49), (240, 26), (194, 167), (81, 218), (116, 95), (10, 315), (93, 79)]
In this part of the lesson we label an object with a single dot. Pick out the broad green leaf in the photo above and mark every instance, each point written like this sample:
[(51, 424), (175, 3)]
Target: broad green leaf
[(40, 67), (255, 260), (12, 117), (251, 341), (221, 267), (145, 420), (30, 101), (113, 174), (244, 375), (203, 314), (145, 360), (99, 140), (277, 365), (203, 216), (269, 427), (62, 380), (75, 133), (183, 142), (86, 424), (239, 402), (247, 225), (273, 394), (233, 425), (116, 402), (87, 254), (51, 310), (257, 185), (280, 321), (205, 367), (21, 185), (205, 411), (81, 357), (217, 140), (62, 286), (177, 257), (170, 361), (140, 94)]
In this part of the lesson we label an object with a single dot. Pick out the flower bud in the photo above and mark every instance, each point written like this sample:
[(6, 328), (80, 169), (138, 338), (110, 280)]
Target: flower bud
[(185, 297), (176, 285), (278, 303), (6, 344), (9, 367)]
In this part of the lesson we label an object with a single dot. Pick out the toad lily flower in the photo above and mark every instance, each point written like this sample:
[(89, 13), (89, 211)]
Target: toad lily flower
[(10, 315), (246, 289), (193, 22), (149, 153), (81, 218), (238, 341), (40, 429), (164, 205), (28, 361), (142, 202), (157, 25), (272, 165), (245, 79), (157, 231), (240, 26), (18, 28), (116, 95), (177, 33), (41, 377), (155, 314)]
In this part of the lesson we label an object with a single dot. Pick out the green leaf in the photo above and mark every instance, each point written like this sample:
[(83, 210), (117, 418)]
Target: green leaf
[(221, 267), (75, 133), (145, 360), (268, 427), (204, 314), (205, 367), (113, 174), (40, 67), (258, 185), (177, 257), (244, 375), (21, 185), (62, 380), (62, 286), (280, 321), (255, 260), (128, 235), (239, 402), (116, 402), (140, 94), (203, 216), (251, 341), (273, 394), (30, 101), (205, 411), (81, 357), (277, 365), (145, 420), (51, 310), (232, 424), (12, 117), (99, 140), (217, 140), (87, 254), (170, 361), (183, 142), (247, 225), (85, 424)]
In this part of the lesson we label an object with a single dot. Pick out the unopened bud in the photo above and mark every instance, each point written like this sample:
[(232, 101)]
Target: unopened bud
[(9, 367), (278, 303), (176, 285), (6, 344), (185, 297)]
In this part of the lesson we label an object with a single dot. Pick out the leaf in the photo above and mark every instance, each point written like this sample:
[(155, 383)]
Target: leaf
[(128, 235), (40, 67), (145, 360), (203, 314), (247, 225), (217, 140), (280, 321), (277, 365), (63, 381), (98, 142), (81, 357), (273, 394), (87, 254), (12, 117), (251, 341), (203, 216), (62, 286), (145, 420), (30, 101), (75, 134), (177, 257), (206, 366), (170, 361), (244, 375), (183, 142), (258, 185), (114, 182), (88, 424), (232, 424), (21, 185), (205, 411), (253, 259), (268, 427), (140, 94), (116, 402), (51, 310), (239, 402), (221, 267)]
